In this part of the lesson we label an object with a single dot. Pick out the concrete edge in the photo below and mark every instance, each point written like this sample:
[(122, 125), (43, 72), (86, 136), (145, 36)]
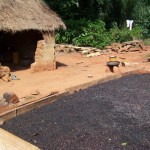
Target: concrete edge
[(50, 99)]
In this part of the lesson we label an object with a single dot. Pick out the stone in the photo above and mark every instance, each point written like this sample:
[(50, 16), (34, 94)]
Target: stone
[(90, 76), (11, 97), (116, 69), (6, 69), (2, 99), (5, 73), (35, 92), (108, 47), (3, 102), (85, 52), (93, 54)]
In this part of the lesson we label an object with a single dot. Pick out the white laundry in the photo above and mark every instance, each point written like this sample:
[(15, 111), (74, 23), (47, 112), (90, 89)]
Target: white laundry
[(129, 24)]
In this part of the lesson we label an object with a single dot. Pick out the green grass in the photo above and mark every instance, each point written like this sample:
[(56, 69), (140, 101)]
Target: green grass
[(147, 41)]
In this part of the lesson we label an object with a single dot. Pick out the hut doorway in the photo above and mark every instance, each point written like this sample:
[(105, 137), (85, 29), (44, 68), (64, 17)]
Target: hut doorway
[(19, 48)]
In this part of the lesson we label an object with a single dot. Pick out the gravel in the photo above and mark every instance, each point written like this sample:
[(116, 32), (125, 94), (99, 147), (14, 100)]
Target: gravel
[(111, 116)]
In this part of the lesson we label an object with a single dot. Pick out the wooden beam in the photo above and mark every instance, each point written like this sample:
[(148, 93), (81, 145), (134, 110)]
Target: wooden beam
[(9, 141)]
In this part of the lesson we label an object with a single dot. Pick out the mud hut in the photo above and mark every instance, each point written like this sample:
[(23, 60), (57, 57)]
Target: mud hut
[(27, 33)]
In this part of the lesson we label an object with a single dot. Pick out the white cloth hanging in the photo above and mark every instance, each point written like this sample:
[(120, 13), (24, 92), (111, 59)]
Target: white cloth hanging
[(129, 24)]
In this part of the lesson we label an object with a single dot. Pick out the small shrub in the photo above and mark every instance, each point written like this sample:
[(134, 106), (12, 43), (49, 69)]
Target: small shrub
[(74, 29), (94, 35), (124, 34), (147, 41)]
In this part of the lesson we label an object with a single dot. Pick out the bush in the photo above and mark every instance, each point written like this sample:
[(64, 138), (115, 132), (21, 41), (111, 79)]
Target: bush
[(85, 33), (74, 29), (145, 25), (93, 33), (124, 34)]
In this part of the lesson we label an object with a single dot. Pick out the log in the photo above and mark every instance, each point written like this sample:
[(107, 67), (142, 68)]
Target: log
[(9, 141)]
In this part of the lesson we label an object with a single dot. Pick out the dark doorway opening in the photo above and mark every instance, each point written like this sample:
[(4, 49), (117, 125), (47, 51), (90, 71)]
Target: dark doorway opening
[(18, 49)]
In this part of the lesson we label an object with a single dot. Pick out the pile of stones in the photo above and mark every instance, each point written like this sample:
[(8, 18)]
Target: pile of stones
[(8, 98), (85, 51), (129, 46)]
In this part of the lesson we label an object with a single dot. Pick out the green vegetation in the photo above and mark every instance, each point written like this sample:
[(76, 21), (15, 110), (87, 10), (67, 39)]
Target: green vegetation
[(97, 23), (147, 41), (89, 33), (93, 33)]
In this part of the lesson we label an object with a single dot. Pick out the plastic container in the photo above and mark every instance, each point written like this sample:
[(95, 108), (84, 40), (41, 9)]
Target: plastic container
[(16, 58), (112, 58)]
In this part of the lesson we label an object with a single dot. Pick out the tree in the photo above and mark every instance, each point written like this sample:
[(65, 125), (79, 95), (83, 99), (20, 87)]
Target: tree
[(110, 11)]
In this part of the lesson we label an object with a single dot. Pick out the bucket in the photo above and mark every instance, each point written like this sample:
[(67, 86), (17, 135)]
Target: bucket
[(15, 58), (112, 58)]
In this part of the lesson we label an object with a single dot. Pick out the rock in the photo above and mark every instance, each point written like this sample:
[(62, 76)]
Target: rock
[(35, 92), (53, 93), (90, 76), (5, 73), (93, 54), (125, 64), (6, 69), (11, 97), (6, 78), (3, 102), (2, 99), (108, 47), (116, 69), (85, 52)]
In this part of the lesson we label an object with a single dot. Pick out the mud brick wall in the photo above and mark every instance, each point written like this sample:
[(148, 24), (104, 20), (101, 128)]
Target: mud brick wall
[(44, 55)]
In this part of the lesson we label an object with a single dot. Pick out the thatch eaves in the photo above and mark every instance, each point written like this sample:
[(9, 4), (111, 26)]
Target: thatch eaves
[(19, 15)]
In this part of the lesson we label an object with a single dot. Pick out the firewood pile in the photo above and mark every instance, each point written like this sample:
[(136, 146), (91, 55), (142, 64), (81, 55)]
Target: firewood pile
[(129, 46), (86, 51)]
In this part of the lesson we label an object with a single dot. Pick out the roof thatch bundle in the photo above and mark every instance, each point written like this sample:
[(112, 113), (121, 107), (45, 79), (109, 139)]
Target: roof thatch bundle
[(19, 15)]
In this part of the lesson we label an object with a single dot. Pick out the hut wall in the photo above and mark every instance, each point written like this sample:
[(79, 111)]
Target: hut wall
[(45, 54)]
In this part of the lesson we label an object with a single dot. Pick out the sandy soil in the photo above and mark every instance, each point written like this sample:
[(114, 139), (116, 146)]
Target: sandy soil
[(73, 69)]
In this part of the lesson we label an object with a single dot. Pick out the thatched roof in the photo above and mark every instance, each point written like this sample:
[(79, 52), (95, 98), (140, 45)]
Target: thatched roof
[(18, 15)]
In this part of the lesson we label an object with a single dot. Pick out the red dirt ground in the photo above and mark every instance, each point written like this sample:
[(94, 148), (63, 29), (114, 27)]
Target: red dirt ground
[(73, 69)]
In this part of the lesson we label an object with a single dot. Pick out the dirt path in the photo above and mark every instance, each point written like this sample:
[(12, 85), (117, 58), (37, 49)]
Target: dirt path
[(113, 115), (73, 69)]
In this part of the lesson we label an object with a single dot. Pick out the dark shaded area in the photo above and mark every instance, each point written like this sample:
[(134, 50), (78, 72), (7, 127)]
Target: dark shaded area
[(59, 64), (18, 48), (111, 116)]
